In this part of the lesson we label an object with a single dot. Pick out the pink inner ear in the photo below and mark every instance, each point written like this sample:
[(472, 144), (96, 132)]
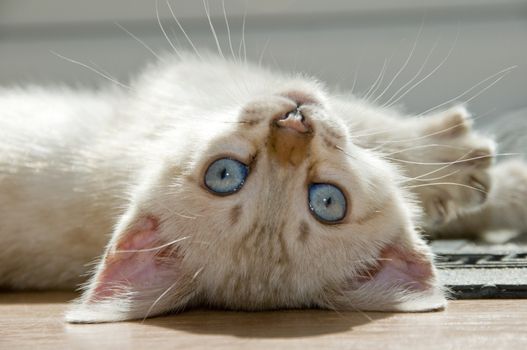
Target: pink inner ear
[(135, 263), (141, 235), (411, 269)]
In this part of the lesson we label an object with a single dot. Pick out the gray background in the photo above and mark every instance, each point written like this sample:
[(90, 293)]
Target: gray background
[(334, 40)]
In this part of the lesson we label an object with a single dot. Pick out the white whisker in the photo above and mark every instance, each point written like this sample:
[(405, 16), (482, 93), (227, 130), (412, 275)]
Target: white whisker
[(228, 29), (154, 248), (355, 77), (405, 64), (432, 178), (197, 273), (504, 72), (391, 102), (242, 41), (145, 45), (207, 12), (424, 146), (260, 59), (159, 299), (108, 77), (453, 162), (416, 75), (175, 35), (191, 43), (441, 168), (163, 30), (447, 184), (377, 81), (435, 132)]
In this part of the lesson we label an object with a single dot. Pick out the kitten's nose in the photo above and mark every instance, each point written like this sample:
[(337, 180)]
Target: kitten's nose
[(290, 137), (294, 120)]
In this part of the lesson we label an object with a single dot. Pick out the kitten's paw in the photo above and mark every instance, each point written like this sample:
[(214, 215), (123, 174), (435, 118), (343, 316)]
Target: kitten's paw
[(449, 165)]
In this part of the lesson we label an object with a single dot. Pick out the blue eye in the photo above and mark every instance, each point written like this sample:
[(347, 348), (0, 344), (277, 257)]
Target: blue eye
[(327, 202), (226, 176)]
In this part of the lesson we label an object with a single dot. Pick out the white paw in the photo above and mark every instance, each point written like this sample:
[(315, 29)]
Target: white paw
[(449, 166)]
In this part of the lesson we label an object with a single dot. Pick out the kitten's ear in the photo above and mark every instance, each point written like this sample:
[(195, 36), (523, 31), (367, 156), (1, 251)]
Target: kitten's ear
[(140, 275), (403, 279)]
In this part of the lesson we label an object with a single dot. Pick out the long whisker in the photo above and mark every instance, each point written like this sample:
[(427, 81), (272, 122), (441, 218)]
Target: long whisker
[(405, 64), (355, 77), (154, 248), (416, 75), (391, 102), (380, 82), (242, 41), (175, 35), (145, 45), (191, 43), (228, 29), (453, 162), (424, 146), (503, 72), (159, 299), (436, 132), (432, 178), (447, 184), (163, 30), (377, 80), (207, 12), (260, 59), (106, 76), (438, 169)]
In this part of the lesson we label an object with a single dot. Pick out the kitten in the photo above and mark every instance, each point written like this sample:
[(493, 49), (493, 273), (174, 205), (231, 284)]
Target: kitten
[(224, 184)]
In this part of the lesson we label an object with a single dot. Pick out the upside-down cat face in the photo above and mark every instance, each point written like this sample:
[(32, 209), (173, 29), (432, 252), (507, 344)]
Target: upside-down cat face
[(273, 207)]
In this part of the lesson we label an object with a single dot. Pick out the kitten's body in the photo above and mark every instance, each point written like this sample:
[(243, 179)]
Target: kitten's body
[(76, 165)]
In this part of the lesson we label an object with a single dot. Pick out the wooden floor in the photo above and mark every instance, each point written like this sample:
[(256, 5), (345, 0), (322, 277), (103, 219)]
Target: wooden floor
[(34, 321)]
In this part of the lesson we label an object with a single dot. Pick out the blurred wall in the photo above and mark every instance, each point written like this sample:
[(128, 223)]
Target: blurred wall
[(346, 43)]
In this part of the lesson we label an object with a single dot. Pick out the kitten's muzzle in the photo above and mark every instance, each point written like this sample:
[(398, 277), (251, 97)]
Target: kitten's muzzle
[(294, 120)]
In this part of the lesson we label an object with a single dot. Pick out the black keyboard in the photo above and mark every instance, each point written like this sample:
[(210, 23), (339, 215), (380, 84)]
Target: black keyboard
[(473, 270)]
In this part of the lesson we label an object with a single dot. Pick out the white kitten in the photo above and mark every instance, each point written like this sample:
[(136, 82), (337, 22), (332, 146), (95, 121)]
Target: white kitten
[(228, 185)]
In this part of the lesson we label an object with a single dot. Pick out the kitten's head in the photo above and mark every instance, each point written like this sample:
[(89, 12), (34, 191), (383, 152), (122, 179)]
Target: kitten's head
[(264, 203)]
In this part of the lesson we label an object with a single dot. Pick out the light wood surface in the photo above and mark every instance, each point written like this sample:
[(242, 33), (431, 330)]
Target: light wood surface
[(34, 321)]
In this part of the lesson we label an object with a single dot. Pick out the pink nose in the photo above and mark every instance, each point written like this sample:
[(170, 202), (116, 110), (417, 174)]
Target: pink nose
[(294, 120)]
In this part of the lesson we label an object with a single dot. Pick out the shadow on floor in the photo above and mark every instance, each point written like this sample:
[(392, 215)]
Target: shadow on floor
[(270, 324)]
